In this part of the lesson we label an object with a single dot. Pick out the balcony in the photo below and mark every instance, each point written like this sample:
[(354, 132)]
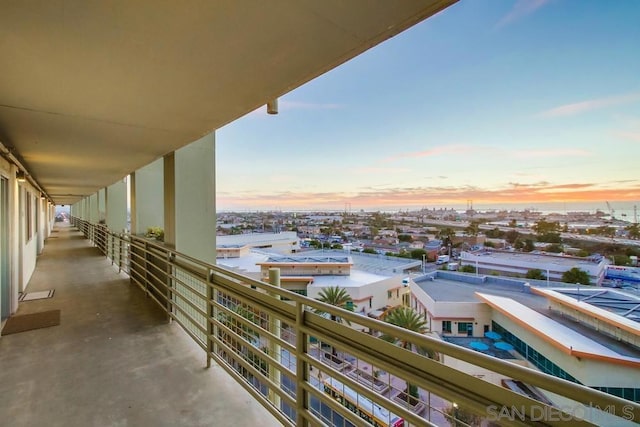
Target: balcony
[(114, 359), (140, 321)]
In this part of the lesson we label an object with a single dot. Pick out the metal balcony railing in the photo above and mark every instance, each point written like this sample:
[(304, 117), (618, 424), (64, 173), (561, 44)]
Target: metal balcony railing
[(307, 369)]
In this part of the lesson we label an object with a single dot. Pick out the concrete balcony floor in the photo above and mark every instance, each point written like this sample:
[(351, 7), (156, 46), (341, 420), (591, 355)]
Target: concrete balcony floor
[(114, 360)]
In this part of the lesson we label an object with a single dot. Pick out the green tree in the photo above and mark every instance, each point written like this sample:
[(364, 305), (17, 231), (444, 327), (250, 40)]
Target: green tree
[(473, 228), (408, 318), (513, 223), (621, 260), (576, 275), (555, 248), (369, 251), (543, 227), (337, 297), (405, 238), (511, 236), (550, 237), (629, 251), (446, 234), (535, 273), (467, 269), (633, 231), (529, 245), (496, 233), (418, 253)]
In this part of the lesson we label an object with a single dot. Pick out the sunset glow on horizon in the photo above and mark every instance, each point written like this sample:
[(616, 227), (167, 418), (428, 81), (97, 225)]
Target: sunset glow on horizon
[(499, 103)]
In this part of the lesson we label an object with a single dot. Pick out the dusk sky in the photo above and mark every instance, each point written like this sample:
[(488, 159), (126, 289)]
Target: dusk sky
[(499, 102)]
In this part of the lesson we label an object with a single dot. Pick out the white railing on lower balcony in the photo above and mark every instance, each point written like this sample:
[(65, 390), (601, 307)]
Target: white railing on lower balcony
[(307, 369)]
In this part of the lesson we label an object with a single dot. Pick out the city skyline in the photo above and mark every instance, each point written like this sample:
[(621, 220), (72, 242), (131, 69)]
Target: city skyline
[(501, 103)]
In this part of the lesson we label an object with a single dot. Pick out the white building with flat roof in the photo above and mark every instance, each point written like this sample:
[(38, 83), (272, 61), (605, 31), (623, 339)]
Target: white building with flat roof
[(519, 263), (374, 282), (237, 245), (589, 335)]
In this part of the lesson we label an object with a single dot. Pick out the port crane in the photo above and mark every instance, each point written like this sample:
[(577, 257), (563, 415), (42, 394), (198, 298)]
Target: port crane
[(611, 211)]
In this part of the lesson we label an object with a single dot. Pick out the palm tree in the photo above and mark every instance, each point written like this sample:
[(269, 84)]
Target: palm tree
[(446, 235), (408, 318), (337, 297), (473, 229)]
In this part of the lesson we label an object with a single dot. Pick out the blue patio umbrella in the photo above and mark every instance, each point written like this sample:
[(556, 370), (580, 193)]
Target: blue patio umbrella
[(493, 335), (477, 345), (503, 346)]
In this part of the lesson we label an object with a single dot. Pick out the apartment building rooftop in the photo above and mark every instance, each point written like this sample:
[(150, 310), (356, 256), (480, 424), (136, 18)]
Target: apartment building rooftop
[(541, 258)]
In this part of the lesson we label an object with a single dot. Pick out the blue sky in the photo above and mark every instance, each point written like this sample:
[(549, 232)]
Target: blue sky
[(493, 101)]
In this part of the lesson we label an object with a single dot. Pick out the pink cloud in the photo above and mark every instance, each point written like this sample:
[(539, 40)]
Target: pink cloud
[(589, 105), (538, 192)]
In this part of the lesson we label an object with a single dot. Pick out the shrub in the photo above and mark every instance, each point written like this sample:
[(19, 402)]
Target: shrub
[(155, 233)]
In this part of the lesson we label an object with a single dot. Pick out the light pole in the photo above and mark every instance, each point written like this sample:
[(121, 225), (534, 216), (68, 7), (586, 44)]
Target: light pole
[(547, 277), (424, 263)]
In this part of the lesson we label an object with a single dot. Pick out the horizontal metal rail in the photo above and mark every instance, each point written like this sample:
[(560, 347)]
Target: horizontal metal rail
[(276, 345)]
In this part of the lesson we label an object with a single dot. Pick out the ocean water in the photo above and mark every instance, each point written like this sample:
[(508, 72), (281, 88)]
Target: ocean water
[(621, 209)]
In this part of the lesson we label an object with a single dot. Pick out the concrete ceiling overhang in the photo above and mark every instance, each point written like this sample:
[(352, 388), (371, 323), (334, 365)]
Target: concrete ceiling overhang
[(91, 90)]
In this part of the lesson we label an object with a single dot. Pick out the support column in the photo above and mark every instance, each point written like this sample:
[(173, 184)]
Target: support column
[(85, 208), (116, 206), (169, 180), (274, 348), (133, 206), (102, 204), (195, 221), (149, 197), (93, 208)]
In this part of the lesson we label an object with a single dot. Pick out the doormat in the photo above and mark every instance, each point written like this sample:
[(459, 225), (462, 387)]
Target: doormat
[(28, 322), (30, 296)]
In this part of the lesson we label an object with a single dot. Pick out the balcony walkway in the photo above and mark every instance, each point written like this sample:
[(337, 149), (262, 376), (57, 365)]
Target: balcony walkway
[(113, 360)]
